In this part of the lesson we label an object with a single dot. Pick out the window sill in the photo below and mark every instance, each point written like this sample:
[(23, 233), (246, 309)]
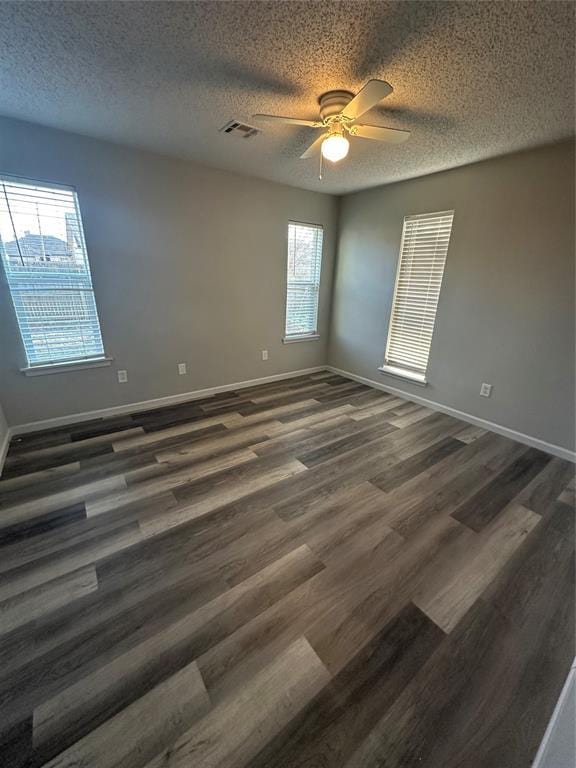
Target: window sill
[(79, 365), (401, 373), (308, 337)]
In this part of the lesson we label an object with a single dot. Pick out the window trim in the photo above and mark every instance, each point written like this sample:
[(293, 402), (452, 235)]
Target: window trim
[(404, 374), (313, 335), (56, 366), (72, 365), (301, 337), (413, 375)]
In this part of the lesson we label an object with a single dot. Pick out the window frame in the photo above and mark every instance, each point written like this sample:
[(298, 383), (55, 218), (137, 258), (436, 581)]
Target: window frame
[(413, 374), (312, 335), (55, 365)]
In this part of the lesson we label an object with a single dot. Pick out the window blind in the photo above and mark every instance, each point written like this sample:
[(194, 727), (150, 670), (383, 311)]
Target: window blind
[(44, 255), (423, 251), (303, 284)]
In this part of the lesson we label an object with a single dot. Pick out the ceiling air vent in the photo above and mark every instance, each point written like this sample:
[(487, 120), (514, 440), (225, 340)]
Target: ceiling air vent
[(241, 130)]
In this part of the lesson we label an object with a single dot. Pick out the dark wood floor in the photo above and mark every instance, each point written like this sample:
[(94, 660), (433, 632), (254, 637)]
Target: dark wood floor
[(305, 574)]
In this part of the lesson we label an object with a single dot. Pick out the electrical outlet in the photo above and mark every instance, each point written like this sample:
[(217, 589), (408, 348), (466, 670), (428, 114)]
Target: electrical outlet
[(486, 390), (181, 368), (264, 354), (122, 377)]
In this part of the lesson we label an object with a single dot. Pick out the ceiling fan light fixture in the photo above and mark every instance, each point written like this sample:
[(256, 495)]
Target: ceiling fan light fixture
[(339, 114), (335, 147)]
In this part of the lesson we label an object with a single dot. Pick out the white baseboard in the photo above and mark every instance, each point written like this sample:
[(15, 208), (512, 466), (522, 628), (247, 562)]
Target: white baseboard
[(4, 448), (158, 402), (533, 442)]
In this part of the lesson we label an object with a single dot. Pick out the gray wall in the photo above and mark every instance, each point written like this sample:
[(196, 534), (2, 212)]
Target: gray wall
[(506, 312), (188, 265), (559, 750)]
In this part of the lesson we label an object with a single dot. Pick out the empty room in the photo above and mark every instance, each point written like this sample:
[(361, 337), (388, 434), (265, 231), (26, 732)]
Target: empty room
[(287, 384)]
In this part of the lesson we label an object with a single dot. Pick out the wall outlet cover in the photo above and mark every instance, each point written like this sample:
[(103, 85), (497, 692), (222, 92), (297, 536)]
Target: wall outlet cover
[(486, 390), (264, 354), (122, 377), (181, 368)]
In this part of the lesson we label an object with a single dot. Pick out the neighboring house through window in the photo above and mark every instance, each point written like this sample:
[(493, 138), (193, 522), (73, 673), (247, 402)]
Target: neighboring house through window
[(44, 256)]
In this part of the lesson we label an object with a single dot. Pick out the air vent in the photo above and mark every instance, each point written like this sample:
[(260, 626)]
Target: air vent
[(241, 130)]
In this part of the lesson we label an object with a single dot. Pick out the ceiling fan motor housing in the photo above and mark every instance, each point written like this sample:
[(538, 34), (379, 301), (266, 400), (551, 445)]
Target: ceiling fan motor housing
[(333, 102)]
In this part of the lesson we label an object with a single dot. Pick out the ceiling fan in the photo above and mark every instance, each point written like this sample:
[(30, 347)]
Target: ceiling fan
[(339, 111)]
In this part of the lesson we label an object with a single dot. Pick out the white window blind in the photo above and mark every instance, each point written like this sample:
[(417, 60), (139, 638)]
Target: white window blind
[(44, 255), (423, 251), (303, 284)]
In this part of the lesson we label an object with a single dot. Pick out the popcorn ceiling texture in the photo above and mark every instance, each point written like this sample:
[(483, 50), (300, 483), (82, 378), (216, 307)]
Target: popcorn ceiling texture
[(472, 79)]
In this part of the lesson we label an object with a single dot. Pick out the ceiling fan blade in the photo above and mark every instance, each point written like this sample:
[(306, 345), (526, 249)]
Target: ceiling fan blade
[(379, 133), (373, 92), (288, 120), (314, 147)]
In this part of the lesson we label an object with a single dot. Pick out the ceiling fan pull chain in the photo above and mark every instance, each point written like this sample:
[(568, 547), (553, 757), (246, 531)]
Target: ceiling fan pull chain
[(320, 173)]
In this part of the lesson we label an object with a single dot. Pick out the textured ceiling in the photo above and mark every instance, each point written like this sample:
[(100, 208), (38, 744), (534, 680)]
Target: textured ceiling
[(471, 80)]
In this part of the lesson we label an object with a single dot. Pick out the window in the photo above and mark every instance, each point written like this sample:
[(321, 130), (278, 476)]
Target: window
[(303, 283), (425, 241), (44, 255)]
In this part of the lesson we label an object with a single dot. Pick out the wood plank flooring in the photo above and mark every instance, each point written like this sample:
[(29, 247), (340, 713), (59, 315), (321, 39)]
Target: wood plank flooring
[(304, 574)]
